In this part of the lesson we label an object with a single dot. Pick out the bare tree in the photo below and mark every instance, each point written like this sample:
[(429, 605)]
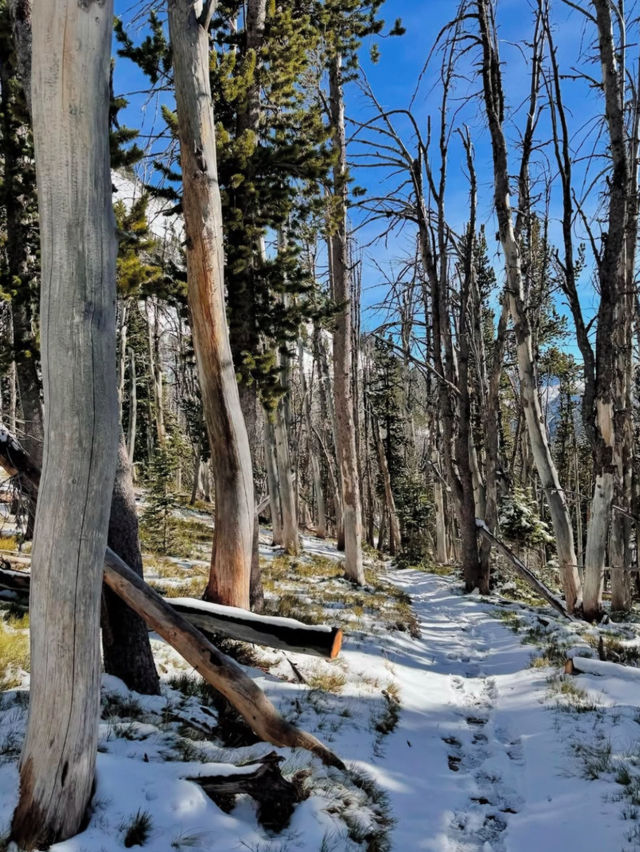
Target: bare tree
[(70, 96), (515, 289)]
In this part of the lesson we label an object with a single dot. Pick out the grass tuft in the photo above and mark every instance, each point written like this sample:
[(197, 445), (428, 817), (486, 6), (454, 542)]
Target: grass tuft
[(138, 831)]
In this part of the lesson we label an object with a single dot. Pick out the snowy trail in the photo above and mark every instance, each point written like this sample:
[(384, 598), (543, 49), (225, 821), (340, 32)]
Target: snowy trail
[(478, 761)]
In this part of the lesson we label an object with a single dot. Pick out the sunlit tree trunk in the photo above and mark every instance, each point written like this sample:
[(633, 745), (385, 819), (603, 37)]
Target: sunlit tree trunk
[(70, 102), (234, 504), (556, 500), (342, 344)]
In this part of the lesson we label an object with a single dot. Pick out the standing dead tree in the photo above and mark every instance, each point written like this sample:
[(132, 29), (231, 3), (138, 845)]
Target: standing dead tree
[(234, 505), (515, 284), (70, 103)]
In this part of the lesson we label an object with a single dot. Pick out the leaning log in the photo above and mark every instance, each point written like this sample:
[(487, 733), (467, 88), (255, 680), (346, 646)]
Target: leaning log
[(222, 673), (287, 634), (522, 571)]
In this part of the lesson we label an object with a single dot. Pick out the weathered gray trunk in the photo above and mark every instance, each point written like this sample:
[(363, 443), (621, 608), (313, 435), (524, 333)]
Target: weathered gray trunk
[(272, 481), (395, 540), (442, 549), (133, 407), (286, 480), (122, 355), (229, 581), (155, 369), (342, 344), (612, 324), (70, 98), (290, 535), (327, 415), (314, 449)]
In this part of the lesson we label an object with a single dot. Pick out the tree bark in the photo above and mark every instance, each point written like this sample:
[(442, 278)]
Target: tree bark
[(70, 98), (272, 480), (125, 639), (133, 408), (314, 450), (342, 346), (395, 540), (229, 581)]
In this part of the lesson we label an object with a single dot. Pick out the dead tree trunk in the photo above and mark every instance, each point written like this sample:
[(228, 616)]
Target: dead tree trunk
[(133, 407), (125, 639), (395, 540), (342, 347), (558, 509), (314, 449), (234, 505), (272, 480), (70, 97)]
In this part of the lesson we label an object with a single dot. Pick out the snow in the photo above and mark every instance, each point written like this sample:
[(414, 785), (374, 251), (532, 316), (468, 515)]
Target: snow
[(489, 752)]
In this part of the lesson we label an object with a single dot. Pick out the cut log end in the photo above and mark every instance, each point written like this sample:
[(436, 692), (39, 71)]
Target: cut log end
[(336, 645)]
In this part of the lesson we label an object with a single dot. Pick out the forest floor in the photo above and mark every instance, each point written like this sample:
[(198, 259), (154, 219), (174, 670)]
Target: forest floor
[(452, 713)]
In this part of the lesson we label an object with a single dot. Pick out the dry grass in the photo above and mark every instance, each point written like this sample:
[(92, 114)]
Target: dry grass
[(313, 589), (14, 650), (191, 588), (328, 680), (8, 542)]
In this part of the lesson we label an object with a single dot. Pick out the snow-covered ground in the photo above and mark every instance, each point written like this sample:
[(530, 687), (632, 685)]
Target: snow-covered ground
[(469, 746)]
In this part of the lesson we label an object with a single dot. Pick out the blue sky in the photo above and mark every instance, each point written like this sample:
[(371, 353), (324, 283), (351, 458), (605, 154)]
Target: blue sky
[(394, 79)]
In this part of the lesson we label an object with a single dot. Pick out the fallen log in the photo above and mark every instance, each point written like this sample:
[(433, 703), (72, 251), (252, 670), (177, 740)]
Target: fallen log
[(275, 796), (222, 673), (587, 665), (287, 634), (522, 570)]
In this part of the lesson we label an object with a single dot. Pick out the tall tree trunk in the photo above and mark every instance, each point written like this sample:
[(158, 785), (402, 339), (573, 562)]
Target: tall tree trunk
[(558, 509), (442, 549), (122, 355), (281, 426), (342, 347), (327, 414), (609, 391), (133, 408), (395, 540), (314, 450), (272, 481), (229, 580), (155, 368), (70, 97), (125, 639)]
